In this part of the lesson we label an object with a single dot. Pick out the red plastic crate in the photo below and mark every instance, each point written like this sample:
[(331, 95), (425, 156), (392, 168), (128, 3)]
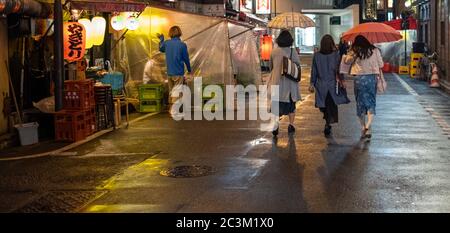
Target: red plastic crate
[(70, 126), (91, 126), (79, 95), (386, 68)]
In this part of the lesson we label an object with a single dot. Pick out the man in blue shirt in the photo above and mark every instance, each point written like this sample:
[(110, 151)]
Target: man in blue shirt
[(176, 57)]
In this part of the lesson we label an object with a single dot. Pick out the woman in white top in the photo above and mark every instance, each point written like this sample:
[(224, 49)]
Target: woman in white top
[(366, 63)]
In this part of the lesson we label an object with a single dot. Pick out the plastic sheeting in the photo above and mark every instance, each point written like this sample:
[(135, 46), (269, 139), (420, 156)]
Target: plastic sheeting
[(245, 56), (208, 43), (394, 52)]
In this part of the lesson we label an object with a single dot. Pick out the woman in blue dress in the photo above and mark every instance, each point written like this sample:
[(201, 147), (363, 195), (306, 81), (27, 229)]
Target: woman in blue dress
[(324, 79), (366, 63)]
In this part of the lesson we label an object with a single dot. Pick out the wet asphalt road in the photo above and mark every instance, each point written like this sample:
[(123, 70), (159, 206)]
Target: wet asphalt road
[(403, 168)]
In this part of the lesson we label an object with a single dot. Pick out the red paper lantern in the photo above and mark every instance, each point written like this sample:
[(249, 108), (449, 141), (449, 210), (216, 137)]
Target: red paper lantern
[(74, 41), (266, 47)]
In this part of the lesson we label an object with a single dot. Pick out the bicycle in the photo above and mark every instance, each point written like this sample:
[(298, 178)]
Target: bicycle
[(427, 64)]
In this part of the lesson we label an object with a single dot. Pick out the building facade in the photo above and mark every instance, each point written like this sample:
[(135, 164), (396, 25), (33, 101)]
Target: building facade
[(434, 31)]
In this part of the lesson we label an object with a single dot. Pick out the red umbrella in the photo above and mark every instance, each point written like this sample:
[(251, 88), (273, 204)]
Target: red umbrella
[(374, 32)]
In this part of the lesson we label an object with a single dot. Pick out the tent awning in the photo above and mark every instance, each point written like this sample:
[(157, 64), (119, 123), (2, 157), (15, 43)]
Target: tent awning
[(397, 24), (108, 5)]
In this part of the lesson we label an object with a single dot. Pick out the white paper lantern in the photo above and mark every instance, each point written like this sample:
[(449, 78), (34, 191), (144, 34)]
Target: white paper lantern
[(98, 28), (118, 22), (132, 23), (89, 34)]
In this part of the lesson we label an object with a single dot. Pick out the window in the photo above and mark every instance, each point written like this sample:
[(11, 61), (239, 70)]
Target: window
[(390, 16), (390, 3), (305, 38), (380, 4)]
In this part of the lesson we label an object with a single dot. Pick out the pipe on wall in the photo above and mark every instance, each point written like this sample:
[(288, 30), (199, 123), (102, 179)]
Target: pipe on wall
[(31, 8)]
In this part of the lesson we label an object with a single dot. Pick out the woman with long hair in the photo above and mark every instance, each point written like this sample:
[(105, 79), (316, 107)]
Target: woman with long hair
[(289, 92), (366, 63), (324, 80)]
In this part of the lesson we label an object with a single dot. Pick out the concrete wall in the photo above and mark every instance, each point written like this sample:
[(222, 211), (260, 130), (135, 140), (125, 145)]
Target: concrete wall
[(349, 19), (4, 84)]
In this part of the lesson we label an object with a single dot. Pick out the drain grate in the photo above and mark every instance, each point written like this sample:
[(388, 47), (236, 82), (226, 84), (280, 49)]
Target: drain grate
[(60, 201), (187, 171)]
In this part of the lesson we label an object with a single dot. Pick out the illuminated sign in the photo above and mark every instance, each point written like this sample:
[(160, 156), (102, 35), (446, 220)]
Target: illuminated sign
[(263, 7)]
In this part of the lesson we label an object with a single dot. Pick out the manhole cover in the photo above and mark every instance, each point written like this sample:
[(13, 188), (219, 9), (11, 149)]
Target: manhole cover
[(187, 171)]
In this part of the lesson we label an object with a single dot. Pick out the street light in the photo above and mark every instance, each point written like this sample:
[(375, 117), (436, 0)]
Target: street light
[(408, 3)]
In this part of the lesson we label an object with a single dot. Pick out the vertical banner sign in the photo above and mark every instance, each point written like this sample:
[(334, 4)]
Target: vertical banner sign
[(246, 6), (262, 6), (74, 41)]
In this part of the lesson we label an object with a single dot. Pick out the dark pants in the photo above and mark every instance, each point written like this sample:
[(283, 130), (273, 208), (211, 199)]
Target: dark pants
[(330, 112)]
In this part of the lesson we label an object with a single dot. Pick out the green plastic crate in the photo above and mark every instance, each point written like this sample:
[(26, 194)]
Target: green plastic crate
[(150, 106), (151, 92)]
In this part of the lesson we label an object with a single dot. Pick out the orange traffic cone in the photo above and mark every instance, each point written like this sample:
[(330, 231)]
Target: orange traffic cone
[(434, 77)]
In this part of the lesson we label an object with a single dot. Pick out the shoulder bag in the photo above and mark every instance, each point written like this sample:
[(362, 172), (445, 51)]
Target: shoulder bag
[(291, 70)]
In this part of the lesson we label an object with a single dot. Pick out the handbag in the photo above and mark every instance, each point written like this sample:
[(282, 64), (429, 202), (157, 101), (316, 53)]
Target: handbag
[(341, 91), (381, 83), (290, 70), (345, 68)]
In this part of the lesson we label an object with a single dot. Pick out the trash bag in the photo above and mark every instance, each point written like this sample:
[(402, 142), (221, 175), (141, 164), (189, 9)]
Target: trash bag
[(46, 105)]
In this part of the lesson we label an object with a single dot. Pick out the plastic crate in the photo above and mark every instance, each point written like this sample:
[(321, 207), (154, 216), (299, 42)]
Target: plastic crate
[(70, 126), (403, 70), (151, 92), (416, 56), (91, 123), (414, 73), (414, 63), (115, 79), (150, 106), (413, 67), (386, 68), (78, 95), (103, 94)]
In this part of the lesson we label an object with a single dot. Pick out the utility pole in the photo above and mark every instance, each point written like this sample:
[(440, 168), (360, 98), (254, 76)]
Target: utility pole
[(58, 55)]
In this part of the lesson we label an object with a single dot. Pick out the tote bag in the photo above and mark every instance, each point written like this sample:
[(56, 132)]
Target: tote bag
[(290, 70)]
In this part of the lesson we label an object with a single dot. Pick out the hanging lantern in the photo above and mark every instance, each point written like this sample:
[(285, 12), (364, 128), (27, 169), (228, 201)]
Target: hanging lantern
[(266, 47), (89, 34), (132, 23), (118, 22), (74, 35), (98, 28)]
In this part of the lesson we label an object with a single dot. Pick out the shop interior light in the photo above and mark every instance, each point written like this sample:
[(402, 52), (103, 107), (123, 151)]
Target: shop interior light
[(132, 23), (98, 28), (89, 33), (118, 22)]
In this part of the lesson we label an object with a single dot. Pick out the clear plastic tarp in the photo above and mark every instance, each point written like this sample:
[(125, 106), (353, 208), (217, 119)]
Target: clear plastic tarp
[(245, 56), (394, 52), (212, 53)]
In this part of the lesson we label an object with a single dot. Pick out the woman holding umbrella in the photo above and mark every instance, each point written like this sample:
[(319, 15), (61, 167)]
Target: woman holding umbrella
[(366, 63), (289, 92)]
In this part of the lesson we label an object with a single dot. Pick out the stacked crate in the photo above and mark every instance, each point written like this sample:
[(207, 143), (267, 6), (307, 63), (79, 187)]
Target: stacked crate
[(151, 97), (414, 68), (77, 120), (104, 108), (208, 98)]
